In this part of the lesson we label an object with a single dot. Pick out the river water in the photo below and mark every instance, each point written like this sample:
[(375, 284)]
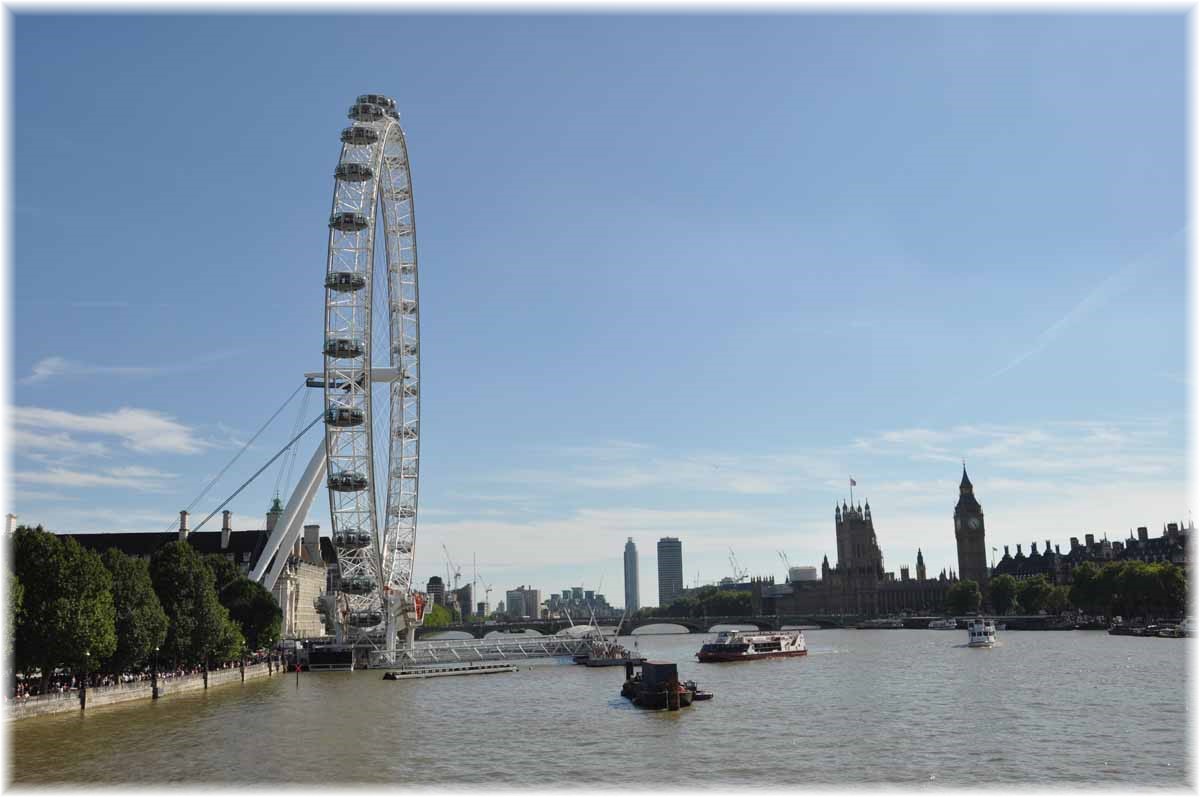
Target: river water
[(907, 708)]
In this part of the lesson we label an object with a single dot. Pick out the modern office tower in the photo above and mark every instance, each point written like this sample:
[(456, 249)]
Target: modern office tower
[(631, 577), (670, 570)]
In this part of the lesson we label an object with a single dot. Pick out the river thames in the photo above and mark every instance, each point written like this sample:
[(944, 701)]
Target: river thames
[(909, 708)]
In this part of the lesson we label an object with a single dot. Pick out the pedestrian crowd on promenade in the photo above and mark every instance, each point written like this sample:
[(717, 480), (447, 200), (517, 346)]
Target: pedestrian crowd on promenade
[(60, 683)]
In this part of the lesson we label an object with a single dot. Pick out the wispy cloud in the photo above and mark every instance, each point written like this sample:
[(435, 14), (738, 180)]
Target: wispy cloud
[(59, 443), (635, 466), (133, 477), (141, 430), (51, 367), (1104, 291), (56, 367)]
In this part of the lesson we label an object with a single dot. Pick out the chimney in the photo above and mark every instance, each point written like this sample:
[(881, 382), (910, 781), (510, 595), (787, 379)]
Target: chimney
[(1006, 550), (183, 529), (1047, 548), (1033, 548), (1019, 550), (1090, 539), (225, 529), (1143, 534), (1056, 549), (1074, 543), (312, 543)]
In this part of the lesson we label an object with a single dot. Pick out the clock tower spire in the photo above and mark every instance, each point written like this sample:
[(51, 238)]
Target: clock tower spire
[(969, 534)]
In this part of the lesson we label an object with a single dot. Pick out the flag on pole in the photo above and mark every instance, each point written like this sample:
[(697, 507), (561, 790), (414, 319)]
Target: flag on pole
[(852, 482)]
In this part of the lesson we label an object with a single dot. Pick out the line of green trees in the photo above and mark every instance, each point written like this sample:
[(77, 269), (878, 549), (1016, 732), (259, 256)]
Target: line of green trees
[(1131, 588), (71, 608), (707, 601)]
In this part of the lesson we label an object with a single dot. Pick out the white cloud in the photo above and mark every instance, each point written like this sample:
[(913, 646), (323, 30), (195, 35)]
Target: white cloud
[(24, 440), (50, 367), (53, 367), (133, 477), (144, 431)]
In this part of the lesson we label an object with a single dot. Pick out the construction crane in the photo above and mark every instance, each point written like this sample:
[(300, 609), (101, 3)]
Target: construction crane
[(457, 570), (786, 565), (739, 575)]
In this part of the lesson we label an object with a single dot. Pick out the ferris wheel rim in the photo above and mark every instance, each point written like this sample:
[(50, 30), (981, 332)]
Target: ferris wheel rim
[(372, 181)]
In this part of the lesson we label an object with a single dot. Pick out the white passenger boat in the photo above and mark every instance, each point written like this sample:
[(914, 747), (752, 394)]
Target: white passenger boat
[(745, 645), (947, 624), (981, 633)]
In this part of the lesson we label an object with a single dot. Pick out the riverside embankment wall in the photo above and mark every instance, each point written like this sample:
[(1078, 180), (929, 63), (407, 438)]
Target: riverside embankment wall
[(142, 690)]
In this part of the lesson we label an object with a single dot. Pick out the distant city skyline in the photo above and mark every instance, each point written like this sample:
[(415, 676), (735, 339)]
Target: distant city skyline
[(687, 295)]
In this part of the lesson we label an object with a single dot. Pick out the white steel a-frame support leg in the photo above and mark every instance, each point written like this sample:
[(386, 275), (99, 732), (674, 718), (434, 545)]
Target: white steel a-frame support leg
[(290, 525)]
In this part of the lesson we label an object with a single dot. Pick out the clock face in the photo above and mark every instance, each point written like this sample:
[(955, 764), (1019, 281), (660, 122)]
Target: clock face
[(973, 522)]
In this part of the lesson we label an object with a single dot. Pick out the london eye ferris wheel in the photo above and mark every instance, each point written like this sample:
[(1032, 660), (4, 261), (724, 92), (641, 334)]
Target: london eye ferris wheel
[(372, 378)]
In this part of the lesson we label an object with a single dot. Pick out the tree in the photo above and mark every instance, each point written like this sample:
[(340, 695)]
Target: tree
[(725, 602), (67, 617), (224, 570), (39, 561), (1058, 599), (437, 616), (255, 612), (963, 597), (1087, 590), (185, 585), (1174, 588), (16, 599), (1003, 592), (91, 635), (1032, 593), (141, 623)]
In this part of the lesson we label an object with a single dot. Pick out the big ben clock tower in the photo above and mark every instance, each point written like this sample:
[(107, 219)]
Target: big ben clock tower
[(968, 531)]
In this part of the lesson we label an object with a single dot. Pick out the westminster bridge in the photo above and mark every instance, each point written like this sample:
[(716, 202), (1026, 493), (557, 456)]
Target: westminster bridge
[(694, 625)]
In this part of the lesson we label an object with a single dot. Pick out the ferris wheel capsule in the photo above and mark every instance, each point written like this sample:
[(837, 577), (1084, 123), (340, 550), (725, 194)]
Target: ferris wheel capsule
[(359, 136), (365, 112), (344, 281)]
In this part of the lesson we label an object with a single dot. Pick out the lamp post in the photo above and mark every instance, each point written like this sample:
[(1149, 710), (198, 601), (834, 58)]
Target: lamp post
[(154, 676), (87, 660)]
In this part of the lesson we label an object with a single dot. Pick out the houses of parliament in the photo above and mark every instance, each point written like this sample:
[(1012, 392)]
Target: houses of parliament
[(859, 585)]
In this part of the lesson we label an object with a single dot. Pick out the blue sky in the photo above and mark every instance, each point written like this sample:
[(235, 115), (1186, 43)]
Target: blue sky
[(679, 275)]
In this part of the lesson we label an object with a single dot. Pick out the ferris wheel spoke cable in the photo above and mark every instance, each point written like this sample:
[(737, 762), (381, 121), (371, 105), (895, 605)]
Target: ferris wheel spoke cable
[(246, 483), (238, 455), (289, 462)]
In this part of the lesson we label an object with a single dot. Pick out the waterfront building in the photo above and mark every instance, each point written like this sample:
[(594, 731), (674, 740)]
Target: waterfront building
[(670, 570), (523, 602), (802, 573), (435, 588), (514, 602), (1058, 567), (969, 534), (463, 596), (309, 570), (858, 584), (631, 577)]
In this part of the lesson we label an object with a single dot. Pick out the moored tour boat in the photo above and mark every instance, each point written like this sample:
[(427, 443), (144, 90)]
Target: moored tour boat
[(981, 633), (880, 622), (947, 624), (745, 645)]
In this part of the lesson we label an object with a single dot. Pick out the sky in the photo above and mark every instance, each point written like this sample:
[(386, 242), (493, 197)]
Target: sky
[(680, 276)]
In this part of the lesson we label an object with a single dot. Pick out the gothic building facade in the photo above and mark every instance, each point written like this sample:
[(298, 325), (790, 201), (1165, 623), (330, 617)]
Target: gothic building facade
[(860, 585), (969, 534)]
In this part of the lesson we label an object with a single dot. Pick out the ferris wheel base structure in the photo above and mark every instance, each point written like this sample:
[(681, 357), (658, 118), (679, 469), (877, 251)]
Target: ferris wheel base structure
[(288, 531)]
